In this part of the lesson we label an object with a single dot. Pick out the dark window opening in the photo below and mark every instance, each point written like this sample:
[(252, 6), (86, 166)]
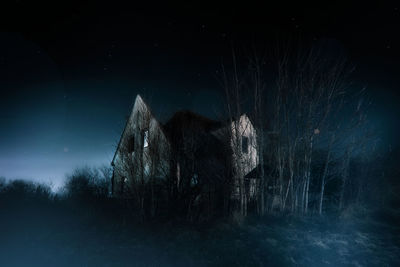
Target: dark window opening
[(131, 144), (195, 180), (245, 144)]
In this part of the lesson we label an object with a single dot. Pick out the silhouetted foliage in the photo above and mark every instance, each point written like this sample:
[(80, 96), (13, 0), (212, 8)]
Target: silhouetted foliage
[(87, 183), (38, 227)]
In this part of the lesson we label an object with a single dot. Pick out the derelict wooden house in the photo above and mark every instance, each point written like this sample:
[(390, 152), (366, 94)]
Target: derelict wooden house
[(190, 155)]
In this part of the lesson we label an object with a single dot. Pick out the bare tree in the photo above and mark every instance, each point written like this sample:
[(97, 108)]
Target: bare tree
[(305, 110), (234, 93)]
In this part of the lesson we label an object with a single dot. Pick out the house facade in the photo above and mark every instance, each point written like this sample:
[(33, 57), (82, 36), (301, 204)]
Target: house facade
[(190, 155)]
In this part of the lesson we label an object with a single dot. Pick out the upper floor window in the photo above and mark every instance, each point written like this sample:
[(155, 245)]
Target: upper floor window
[(131, 144), (245, 144), (146, 138)]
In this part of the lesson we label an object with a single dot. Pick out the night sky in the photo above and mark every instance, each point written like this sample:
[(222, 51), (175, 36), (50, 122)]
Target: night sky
[(69, 70)]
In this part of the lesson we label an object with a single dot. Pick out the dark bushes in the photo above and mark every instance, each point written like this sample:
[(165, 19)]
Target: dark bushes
[(87, 183)]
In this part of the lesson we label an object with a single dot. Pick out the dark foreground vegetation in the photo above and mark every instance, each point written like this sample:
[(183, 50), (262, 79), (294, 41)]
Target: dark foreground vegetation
[(83, 226)]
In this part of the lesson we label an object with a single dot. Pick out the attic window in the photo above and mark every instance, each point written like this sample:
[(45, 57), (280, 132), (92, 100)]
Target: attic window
[(146, 138), (131, 144), (245, 144)]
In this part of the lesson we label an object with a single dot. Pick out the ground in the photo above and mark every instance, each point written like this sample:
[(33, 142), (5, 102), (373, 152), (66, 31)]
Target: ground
[(86, 240)]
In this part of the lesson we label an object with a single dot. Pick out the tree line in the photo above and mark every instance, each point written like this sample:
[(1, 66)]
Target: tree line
[(311, 123)]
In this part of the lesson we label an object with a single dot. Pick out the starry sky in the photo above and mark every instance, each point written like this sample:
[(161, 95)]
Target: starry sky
[(70, 70)]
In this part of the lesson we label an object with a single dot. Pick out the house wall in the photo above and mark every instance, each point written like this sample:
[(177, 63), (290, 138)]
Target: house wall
[(243, 163), (143, 162)]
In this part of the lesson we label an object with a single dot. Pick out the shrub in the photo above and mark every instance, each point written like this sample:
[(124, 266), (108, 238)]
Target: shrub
[(86, 183)]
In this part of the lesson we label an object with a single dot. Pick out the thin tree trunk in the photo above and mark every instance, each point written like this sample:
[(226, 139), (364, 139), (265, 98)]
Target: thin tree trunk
[(344, 181), (308, 178), (345, 174), (307, 193), (321, 198), (324, 175), (287, 193), (303, 194)]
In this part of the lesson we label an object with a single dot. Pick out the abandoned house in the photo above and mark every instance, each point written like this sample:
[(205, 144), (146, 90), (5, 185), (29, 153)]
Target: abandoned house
[(190, 157)]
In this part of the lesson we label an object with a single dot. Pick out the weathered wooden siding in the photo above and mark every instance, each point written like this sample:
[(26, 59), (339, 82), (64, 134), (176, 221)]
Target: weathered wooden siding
[(143, 162)]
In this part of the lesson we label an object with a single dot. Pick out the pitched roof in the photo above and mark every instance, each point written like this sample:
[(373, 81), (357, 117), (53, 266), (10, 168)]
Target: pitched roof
[(138, 100), (189, 119), (187, 124), (181, 122)]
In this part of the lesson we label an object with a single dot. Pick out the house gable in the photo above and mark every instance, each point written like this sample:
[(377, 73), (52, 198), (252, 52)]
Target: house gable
[(242, 135), (142, 149)]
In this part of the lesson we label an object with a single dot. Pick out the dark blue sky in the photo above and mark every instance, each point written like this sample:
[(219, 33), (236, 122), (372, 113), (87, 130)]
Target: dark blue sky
[(69, 72)]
